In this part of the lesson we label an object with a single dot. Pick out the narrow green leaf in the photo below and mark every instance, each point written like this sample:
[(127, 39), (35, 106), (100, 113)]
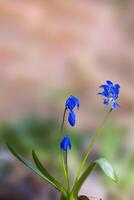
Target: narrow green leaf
[(104, 165), (44, 171), (81, 180), (107, 168), (27, 163), (30, 165)]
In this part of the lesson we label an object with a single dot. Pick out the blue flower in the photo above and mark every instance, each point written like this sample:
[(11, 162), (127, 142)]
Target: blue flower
[(71, 102), (66, 143), (71, 118), (111, 93)]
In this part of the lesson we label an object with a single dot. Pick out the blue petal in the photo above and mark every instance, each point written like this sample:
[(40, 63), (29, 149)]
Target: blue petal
[(109, 83), (115, 105), (104, 86), (117, 85), (105, 93), (71, 118), (116, 89), (112, 92), (115, 92), (100, 93), (106, 101), (65, 143), (71, 102)]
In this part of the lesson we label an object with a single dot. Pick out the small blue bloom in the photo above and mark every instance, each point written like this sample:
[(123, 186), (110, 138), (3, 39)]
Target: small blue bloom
[(71, 102), (66, 143), (71, 118), (111, 93)]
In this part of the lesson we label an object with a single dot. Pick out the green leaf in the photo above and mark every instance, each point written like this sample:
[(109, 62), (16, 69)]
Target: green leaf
[(81, 180), (107, 169), (44, 171), (104, 165), (35, 169)]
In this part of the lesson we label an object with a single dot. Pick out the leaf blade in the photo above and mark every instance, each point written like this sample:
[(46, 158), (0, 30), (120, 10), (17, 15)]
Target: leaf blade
[(44, 171), (23, 160), (107, 169), (104, 165), (81, 180), (33, 168)]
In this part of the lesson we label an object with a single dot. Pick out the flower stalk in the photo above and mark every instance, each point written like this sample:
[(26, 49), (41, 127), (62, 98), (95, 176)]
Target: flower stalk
[(65, 144), (91, 145), (64, 154), (63, 121)]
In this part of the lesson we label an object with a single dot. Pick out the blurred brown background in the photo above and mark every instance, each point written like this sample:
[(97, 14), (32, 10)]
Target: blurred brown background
[(49, 50)]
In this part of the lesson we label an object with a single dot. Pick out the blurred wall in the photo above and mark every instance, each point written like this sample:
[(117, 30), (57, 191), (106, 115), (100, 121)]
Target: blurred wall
[(50, 46)]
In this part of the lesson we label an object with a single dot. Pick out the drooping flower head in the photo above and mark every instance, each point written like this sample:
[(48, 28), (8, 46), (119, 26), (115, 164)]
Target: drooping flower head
[(66, 143), (111, 93), (71, 103)]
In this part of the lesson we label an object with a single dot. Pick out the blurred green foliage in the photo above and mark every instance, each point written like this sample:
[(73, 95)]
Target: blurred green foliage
[(43, 136), (113, 147)]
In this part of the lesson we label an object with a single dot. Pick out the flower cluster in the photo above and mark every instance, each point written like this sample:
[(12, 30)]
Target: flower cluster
[(71, 103), (111, 93)]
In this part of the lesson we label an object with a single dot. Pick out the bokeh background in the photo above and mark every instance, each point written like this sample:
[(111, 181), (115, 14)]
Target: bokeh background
[(50, 49)]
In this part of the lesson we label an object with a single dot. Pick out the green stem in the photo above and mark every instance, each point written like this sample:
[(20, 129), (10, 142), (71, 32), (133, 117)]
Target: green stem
[(63, 120), (64, 155), (81, 180), (91, 145), (65, 168), (66, 163)]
